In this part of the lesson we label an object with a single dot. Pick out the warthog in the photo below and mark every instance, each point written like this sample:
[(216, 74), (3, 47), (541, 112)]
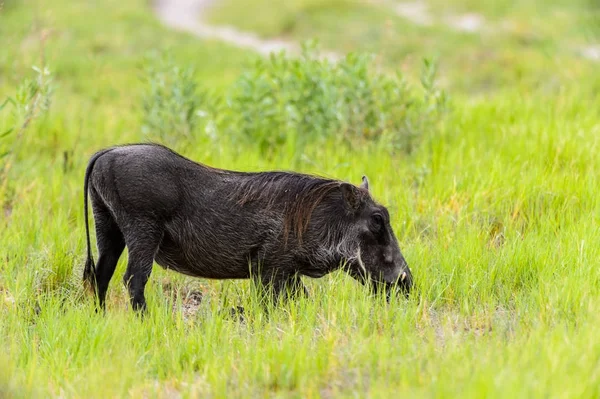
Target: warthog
[(219, 224)]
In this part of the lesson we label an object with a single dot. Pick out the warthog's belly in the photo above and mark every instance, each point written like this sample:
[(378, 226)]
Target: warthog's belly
[(195, 265)]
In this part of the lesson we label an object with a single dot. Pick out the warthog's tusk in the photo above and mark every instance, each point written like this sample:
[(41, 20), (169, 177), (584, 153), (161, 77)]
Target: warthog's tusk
[(403, 276)]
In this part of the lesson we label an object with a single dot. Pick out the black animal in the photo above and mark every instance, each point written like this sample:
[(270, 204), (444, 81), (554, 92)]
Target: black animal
[(270, 226)]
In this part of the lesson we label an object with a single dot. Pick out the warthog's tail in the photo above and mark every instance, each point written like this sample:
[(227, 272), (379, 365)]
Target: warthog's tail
[(89, 270)]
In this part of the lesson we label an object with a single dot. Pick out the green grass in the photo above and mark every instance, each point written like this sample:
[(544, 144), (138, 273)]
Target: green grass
[(497, 213)]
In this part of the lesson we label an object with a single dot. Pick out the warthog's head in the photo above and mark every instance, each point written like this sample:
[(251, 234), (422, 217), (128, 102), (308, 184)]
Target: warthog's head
[(372, 251)]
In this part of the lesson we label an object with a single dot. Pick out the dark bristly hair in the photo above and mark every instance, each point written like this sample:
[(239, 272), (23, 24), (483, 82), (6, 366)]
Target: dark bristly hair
[(298, 194)]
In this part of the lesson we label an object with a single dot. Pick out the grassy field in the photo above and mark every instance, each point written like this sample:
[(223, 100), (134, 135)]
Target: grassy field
[(497, 213)]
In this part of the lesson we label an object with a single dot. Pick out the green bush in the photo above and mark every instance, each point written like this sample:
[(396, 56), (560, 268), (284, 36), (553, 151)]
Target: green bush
[(31, 100), (170, 102), (303, 100), (311, 99)]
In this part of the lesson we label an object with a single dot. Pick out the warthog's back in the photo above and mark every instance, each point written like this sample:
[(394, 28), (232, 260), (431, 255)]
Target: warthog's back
[(206, 231)]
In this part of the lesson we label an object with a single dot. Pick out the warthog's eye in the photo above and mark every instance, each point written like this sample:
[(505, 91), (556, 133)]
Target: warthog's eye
[(376, 223)]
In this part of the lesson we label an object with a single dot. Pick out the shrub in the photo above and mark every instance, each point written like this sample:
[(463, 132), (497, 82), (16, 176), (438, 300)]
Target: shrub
[(311, 99), (170, 102), (32, 99), (279, 100)]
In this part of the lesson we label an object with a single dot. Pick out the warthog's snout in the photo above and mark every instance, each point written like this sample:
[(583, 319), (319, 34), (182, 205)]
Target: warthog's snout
[(405, 282), (398, 282)]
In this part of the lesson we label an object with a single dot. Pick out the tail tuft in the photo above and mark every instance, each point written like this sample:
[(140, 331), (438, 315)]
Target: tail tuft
[(89, 274)]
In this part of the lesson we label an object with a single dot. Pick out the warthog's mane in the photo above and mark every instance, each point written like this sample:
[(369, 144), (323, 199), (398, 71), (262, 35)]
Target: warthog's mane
[(296, 194)]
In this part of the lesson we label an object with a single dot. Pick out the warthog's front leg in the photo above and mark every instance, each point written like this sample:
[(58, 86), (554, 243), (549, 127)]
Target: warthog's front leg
[(276, 285), (295, 288)]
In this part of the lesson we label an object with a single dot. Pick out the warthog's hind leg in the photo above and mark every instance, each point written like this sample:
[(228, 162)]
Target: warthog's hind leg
[(110, 247), (142, 244)]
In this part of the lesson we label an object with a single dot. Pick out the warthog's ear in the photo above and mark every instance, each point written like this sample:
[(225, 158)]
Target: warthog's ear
[(365, 183), (351, 195)]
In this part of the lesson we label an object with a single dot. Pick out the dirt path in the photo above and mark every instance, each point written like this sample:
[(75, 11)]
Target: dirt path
[(418, 13), (186, 15), (592, 52)]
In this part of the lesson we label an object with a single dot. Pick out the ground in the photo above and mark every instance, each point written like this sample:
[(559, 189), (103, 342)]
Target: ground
[(497, 213)]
